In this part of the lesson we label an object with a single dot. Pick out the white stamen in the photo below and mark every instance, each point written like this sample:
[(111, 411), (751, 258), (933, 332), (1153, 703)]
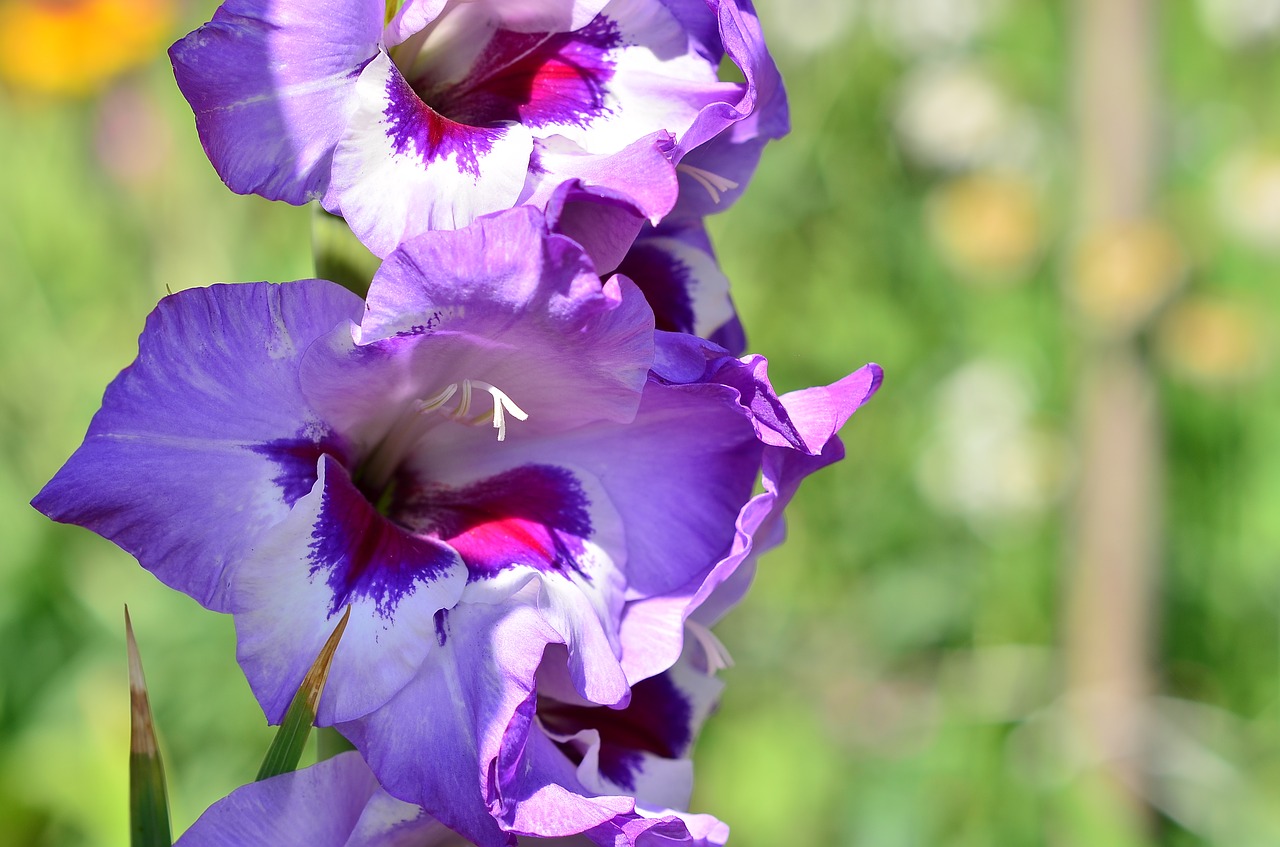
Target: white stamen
[(502, 405), (717, 655), (464, 405), (435, 402), (713, 182)]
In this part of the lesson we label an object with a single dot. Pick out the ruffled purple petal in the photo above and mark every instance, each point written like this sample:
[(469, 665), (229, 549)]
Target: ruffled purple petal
[(760, 109), (206, 440), (604, 221), (819, 413), (334, 803), (597, 755), (529, 308), (816, 414), (272, 85)]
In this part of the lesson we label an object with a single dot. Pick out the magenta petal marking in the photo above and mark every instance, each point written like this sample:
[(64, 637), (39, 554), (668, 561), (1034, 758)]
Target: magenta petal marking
[(534, 515), (365, 555), (537, 79)]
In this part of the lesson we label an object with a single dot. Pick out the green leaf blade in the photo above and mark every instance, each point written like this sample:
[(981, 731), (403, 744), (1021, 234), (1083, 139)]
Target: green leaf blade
[(148, 794), (286, 748)]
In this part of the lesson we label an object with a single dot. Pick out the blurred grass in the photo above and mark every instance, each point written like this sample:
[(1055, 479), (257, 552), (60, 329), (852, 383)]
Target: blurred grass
[(899, 671)]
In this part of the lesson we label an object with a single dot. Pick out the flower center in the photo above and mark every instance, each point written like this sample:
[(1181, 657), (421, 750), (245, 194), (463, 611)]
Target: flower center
[(533, 78), (502, 405), (456, 402)]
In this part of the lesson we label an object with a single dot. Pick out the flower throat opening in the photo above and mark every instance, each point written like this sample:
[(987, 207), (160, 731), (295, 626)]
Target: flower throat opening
[(455, 402)]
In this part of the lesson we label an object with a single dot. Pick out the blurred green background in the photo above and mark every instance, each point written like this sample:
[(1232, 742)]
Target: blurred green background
[(919, 665)]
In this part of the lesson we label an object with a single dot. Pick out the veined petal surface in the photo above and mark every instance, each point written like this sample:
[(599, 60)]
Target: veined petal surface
[(206, 441), (272, 83)]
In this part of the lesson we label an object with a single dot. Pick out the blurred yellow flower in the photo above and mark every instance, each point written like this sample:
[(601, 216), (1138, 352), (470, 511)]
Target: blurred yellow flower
[(987, 225), (1213, 342), (1124, 273), (74, 47)]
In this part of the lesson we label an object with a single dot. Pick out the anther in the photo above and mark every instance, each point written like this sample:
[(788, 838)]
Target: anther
[(502, 405)]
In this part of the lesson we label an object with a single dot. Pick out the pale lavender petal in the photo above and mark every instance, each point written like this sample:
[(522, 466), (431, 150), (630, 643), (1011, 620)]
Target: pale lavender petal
[(641, 171), (272, 84), (402, 168), (603, 221), (412, 17), (193, 457), (315, 807), (445, 739), (335, 550)]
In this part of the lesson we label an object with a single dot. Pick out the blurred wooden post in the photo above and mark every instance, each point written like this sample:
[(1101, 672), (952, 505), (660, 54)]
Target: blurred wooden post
[(1112, 578)]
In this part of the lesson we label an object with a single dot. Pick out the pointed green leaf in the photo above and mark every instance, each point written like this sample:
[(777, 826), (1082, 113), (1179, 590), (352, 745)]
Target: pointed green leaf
[(148, 796), (291, 738)]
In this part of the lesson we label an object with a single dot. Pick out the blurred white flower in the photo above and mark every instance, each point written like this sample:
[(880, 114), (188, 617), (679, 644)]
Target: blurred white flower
[(954, 116), (1239, 23), (1247, 193), (792, 23), (986, 460), (930, 26)]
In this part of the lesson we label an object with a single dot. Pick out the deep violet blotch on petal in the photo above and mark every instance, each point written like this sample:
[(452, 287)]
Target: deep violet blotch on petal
[(658, 720), (665, 282), (296, 460), (533, 515), (415, 129), (362, 554), (538, 79)]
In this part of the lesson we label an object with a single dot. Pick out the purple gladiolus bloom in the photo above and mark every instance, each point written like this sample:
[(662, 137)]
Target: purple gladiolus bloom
[(638, 753), (519, 488), (452, 110)]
